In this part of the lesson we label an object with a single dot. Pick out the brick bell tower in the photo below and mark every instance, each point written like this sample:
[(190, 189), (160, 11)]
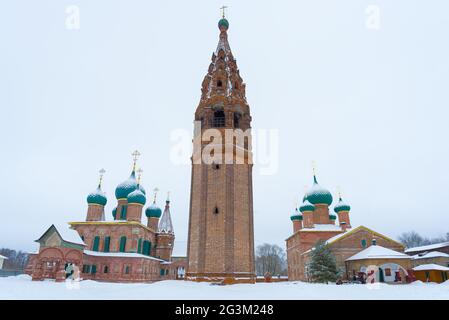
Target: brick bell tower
[(221, 235)]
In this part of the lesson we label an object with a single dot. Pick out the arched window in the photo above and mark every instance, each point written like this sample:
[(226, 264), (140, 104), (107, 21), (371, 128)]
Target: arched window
[(219, 83), (216, 210), (363, 243), (236, 120), (219, 119), (107, 242), (96, 243), (122, 244), (123, 213), (146, 248), (139, 246)]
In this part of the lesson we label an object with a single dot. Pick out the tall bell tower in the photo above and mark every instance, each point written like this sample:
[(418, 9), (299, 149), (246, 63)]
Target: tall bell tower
[(221, 233)]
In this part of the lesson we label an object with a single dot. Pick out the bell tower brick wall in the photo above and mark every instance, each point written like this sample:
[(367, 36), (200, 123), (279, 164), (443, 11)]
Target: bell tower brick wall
[(221, 235)]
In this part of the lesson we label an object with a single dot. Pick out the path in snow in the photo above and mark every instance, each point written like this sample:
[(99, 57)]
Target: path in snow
[(21, 287)]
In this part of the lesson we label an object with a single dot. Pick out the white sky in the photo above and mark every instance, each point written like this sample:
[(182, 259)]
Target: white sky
[(369, 106)]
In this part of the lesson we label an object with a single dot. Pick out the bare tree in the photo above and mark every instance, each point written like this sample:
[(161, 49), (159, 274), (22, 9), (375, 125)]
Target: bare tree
[(270, 258), (413, 239), (17, 260)]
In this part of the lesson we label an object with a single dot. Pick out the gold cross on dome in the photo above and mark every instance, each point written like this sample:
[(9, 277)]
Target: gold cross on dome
[(223, 11), (155, 190), (139, 174), (314, 167), (135, 155), (102, 171)]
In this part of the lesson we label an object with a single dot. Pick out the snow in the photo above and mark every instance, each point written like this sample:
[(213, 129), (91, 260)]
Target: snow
[(430, 266), (21, 287), (378, 252), (428, 247), (432, 254), (69, 235), (119, 254), (323, 227), (3, 257)]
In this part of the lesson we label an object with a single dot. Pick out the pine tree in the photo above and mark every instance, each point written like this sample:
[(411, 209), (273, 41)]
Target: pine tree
[(322, 266)]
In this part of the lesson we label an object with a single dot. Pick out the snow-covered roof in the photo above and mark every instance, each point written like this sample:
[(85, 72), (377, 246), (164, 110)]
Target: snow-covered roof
[(430, 266), (3, 257), (378, 252), (69, 235), (120, 255), (166, 225), (428, 247), (323, 227), (431, 254)]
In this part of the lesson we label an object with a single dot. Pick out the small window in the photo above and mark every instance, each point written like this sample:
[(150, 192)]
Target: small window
[(105, 269), (161, 272), (216, 210), (363, 243), (388, 272), (122, 244), (107, 241), (96, 243), (219, 83), (127, 269), (123, 213), (236, 120), (93, 269), (216, 166)]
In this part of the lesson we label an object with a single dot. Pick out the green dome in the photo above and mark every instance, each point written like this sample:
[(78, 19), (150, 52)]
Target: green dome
[(341, 206), (318, 194), (296, 216), (97, 197), (223, 23), (114, 212), (126, 187), (332, 217), (306, 206), (137, 196), (153, 211)]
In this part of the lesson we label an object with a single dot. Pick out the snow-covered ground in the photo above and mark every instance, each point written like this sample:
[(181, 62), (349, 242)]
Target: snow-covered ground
[(21, 287)]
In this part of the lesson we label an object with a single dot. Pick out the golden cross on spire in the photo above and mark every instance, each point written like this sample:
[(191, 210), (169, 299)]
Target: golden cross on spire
[(102, 171), (155, 190), (223, 11), (139, 174), (135, 155)]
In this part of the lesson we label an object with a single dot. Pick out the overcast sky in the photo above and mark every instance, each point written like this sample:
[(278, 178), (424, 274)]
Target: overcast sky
[(369, 105)]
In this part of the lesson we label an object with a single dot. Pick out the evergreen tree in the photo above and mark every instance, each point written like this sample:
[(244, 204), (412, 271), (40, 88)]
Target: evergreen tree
[(322, 267)]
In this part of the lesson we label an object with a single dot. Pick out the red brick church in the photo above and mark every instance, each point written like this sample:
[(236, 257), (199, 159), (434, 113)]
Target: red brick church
[(123, 249)]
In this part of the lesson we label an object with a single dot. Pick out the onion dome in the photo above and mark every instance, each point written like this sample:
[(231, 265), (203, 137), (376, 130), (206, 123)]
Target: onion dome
[(137, 196), (97, 197), (114, 212), (341, 206), (306, 206), (153, 211), (126, 187), (332, 217), (318, 194), (223, 24), (296, 215)]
